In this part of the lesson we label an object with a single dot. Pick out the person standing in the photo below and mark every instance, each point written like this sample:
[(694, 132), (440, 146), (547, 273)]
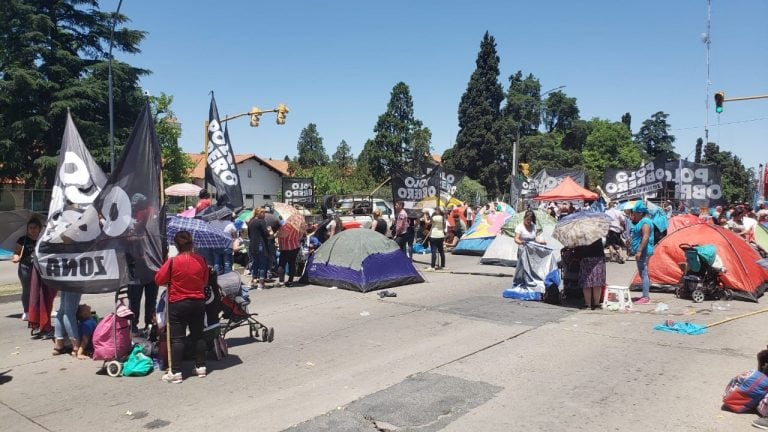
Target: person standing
[(615, 233), (436, 238), (135, 292), (379, 224), (186, 276), (401, 226), (22, 255), (642, 246), (591, 272), (203, 202), (288, 242), (527, 231), (259, 237)]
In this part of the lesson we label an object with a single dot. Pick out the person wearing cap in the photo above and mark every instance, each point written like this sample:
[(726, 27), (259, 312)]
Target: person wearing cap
[(642, 246)]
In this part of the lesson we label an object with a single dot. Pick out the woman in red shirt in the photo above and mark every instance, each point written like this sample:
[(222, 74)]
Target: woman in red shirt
[(186, 276)]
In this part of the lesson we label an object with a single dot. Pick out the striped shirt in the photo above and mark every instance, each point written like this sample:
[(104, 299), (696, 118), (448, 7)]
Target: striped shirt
[(288, 238)]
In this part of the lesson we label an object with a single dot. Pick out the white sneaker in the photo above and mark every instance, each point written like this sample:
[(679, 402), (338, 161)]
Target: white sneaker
[(200, 372), (24, 316), (172, 378)]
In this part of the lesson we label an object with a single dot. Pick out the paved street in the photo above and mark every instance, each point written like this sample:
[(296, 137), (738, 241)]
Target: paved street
[(450, 354)]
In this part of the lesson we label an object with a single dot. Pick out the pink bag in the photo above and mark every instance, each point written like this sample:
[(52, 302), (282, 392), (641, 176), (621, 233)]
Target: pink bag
[(112, 336)]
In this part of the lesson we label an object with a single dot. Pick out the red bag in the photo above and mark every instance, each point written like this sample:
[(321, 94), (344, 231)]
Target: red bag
[(745, 391)]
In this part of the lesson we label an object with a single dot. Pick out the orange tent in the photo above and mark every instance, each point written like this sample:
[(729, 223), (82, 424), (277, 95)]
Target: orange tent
[(681, 221), (567, 190), (743, 274)]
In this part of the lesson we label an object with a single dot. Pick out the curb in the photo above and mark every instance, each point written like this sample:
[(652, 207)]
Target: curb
[(8, 298)]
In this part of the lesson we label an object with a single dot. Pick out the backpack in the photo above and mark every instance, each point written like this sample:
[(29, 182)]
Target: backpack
[(744, 392)]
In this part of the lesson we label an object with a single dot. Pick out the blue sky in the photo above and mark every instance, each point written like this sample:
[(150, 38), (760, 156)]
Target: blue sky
[(334, 63)]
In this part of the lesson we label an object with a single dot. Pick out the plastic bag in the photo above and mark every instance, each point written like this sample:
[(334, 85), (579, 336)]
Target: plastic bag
[(138, 364), (162, 304)]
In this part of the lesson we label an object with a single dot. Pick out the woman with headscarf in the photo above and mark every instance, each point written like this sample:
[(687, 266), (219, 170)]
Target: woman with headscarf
[(641, 246)]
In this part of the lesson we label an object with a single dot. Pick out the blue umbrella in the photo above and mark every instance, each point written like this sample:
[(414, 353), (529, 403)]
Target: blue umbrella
[(204, 234), (582, 228)]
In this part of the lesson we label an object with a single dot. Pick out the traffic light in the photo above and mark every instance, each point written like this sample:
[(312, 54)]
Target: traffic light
[(523, 169), (719, 99), (255, 114), (282, 110)]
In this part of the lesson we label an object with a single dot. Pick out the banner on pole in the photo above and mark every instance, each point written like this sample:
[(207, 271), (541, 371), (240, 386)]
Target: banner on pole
[(104, 234), (298, 190), (620, 184), (221, 167)]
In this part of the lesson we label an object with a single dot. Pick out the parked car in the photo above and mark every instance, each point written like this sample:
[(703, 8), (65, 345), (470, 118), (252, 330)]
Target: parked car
[(358, 210)]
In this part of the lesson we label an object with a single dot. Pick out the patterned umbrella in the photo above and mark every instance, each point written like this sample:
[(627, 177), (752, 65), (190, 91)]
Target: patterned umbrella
[(291, 216), (183, 189), (582, 228), (204, 234)]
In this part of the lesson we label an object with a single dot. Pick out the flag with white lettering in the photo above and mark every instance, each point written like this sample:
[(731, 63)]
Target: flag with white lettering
[(103, 236), (697, 185), (298, 190), (416, 191), (221, 168)]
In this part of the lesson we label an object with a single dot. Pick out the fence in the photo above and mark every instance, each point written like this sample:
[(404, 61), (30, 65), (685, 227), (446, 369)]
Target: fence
[(36, 200)]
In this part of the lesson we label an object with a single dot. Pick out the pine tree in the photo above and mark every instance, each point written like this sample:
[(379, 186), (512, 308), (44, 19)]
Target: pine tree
[(478, 150), (401, 141), (53, 57), (655, 138), (311, 150), (342, 157)]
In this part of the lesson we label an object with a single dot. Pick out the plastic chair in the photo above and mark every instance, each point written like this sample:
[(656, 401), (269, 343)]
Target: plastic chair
[(618, 296)]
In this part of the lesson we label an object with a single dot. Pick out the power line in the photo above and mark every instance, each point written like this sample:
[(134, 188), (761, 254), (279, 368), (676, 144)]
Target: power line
[(722, 124)]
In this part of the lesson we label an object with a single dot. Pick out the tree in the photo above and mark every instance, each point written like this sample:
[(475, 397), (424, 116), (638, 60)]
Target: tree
[(626, 119), (576, 137), (655, 138), (609, 145), (176, 164), (523, 105), (479, 150), (400, 141), (310, 146), (735, 179), (560, 111), (342, 158), (53, 57), (544, 151), (286, 158)]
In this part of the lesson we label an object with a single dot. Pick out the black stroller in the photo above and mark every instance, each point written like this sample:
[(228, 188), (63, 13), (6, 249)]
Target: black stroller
[(701, 274), (234, 301)]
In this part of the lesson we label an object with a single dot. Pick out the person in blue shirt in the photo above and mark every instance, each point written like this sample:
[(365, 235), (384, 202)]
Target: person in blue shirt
[(86, 324), (642, 246)]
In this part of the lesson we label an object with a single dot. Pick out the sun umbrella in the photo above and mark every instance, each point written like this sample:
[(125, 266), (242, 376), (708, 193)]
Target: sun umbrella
[(291, 216), (204, 234), (183, 189), (245, 216), (582, 228)]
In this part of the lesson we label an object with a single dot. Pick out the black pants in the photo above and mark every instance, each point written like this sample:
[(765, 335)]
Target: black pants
[(287, 257), (402, 241), (134, 302), (183, 314), (25, 277), (436, 245)]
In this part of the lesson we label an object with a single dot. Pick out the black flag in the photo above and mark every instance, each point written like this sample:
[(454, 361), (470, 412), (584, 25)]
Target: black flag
[(221, 168), (117, 238)]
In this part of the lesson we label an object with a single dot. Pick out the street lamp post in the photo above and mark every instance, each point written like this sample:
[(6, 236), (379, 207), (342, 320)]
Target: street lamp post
[(109, 91)]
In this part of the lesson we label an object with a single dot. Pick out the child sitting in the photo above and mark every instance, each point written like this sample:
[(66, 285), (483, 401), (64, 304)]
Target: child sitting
[(86, 324)]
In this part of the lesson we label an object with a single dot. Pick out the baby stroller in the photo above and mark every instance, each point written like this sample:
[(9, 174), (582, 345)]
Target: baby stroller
[(112, 337), (234, 304), (701, 274)]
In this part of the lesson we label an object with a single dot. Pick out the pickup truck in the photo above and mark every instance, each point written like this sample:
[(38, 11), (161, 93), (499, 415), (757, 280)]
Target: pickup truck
[(358, 211)]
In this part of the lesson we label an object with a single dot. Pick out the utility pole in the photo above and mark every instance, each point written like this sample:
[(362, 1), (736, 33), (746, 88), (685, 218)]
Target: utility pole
[(707, 42)]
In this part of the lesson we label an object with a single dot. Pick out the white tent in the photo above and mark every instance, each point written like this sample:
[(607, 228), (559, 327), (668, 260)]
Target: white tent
[(503, 249)]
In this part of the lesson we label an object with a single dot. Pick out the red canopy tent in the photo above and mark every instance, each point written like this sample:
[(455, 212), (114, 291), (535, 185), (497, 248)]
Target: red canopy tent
[(568, 190)]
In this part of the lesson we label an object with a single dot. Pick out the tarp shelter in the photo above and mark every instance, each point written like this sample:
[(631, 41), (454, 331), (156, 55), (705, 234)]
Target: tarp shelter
[(682, 221), (503, 250), (483, 231), (743, 275), (568, 190), (13, 224), (361, 260)]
